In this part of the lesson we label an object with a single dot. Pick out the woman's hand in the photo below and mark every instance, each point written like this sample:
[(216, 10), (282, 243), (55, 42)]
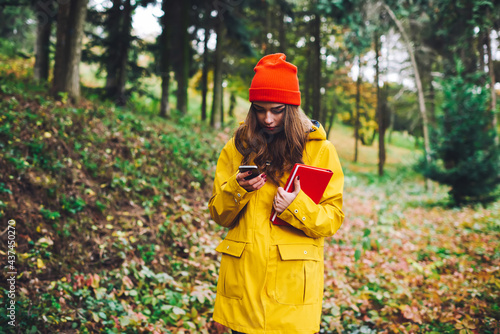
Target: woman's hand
[(253, 184), (283, 198)]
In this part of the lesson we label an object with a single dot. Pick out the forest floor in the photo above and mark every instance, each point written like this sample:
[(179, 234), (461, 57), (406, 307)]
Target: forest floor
[(113, 232)]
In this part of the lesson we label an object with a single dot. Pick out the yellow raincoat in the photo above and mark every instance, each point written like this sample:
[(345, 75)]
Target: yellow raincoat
[(271, 277)]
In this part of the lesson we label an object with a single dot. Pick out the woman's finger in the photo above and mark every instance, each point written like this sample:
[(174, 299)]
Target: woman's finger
[(259, 184)]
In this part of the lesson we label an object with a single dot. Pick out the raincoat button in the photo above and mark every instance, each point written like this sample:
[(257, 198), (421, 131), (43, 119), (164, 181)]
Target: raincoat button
[(235, 200), (239, 195), (305, 252), (296, 211), (227, 247), (303, 218)]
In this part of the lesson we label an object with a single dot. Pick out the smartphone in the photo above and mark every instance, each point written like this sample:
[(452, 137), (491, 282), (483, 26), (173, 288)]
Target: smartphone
[(246, 169)]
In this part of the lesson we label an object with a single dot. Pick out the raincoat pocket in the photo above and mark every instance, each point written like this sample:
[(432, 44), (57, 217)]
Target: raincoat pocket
[(299, 275), (231, 278)]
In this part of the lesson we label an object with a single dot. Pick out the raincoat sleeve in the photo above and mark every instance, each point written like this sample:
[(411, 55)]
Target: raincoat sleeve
[(325, 218), (228, 197)]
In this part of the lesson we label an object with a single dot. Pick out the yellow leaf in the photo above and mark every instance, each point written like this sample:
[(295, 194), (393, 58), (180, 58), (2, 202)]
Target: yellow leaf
[(109, 218), (38, 229), (95, 281), (47, 134), (39, 263), (45, 240), (90, 192)]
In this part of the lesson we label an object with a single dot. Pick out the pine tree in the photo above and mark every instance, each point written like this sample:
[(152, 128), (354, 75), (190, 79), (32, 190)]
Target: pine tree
[(465, 154)]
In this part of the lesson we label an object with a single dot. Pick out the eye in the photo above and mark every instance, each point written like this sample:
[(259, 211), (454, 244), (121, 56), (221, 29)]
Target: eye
[(278, 111), (257, 109)]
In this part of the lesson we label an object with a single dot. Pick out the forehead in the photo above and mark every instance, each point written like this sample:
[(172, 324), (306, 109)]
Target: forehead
[(268, 105)]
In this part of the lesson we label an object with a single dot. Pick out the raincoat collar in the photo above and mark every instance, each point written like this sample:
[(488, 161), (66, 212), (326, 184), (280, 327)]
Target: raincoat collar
[(317, 131)]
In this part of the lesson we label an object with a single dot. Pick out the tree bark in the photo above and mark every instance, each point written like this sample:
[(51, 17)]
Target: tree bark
[(222, 105), (42, 47), (165, 46), (432, 102), (125, 38), (215, 119), (380, 113), (282, 31), (421, 98), (70, 20), (182, 82), (492, 82), (232, 104), (316, 94), (356, 122), (267, 47), (112, 45), (204, 75), (306, 95)]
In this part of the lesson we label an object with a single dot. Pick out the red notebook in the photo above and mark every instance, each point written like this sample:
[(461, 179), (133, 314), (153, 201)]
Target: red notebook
[(313, 182)]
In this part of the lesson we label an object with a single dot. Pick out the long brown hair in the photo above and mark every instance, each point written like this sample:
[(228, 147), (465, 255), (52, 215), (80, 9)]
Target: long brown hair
[(277, 153)]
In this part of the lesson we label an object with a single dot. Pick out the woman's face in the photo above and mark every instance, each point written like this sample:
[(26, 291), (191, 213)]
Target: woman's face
[(270, 116)]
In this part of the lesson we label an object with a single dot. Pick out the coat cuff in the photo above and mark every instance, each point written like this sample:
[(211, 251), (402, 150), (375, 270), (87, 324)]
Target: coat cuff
[(239, 194), (298, 213)]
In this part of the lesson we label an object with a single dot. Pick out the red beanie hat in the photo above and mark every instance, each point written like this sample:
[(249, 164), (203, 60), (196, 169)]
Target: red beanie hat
[(275, 80)]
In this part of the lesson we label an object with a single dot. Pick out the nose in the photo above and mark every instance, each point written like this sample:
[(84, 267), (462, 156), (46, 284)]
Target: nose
[(269, 118)]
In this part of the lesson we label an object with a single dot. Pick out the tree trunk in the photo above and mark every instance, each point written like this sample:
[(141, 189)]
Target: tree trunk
[(165, 46), (42, 48), (432, 102), (217, 97), (356, 122), (182, 82), (232, 104), (204, 75), (316, 94), (306, 100), (282, 31), (380, 116), (267, 47), (112, 46), (221, 105), (492, 81), (421, 98), (481, 41), (125, 38), (70, 20), (119, 25)]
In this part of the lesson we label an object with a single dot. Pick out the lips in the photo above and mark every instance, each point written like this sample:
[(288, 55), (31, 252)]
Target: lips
[(270, 128)]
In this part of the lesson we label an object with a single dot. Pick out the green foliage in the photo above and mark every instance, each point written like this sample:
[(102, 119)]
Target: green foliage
[(72, 204), (465, 155), (49, 215), (17, 29)]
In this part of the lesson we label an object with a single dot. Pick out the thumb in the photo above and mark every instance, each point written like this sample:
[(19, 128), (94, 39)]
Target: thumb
[(296, 185)]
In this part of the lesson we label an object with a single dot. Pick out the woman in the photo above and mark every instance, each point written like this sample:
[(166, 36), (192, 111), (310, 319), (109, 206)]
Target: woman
[(271, 277)]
